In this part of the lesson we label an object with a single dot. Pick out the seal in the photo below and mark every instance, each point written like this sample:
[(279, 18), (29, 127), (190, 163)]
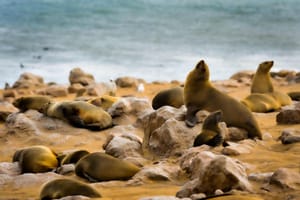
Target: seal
[(73, 157), (103, 167), (211, 134), (261, 102), (36, 159), (169, 97), (59, 188), (36, 102), (79, 114), (200, 94), (261, 82), (105, 101), (295, 95)]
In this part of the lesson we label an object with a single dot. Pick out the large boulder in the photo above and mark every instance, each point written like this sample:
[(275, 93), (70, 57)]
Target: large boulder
[(99, 89), (165, 132), (28, 80), (127, 81), (77, 75), (289, 115), (127, 109), (222, 173)]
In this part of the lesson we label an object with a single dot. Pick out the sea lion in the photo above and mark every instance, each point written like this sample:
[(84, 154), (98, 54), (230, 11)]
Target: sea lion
[(36, 102), (103, 167), (73, 157), (36, 159), (211, 133), (261, 102), (200, 94), (79, 114), (105, 101), (261, 82), (169, 97), (59, 188)]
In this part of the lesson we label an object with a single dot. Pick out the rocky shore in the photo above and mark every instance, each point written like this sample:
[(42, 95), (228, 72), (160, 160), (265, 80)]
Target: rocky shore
[(158, 141)]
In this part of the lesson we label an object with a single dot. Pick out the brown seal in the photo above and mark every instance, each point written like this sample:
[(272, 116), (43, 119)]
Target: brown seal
[(79, 114), (103, 167), (261, 102), (200, 94), (35, 159), (211, 133), (59, 188), (169, 97), (261, 82), (35, 102)]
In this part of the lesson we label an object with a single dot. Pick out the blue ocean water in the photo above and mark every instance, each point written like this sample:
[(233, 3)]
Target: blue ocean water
[(150, 39)]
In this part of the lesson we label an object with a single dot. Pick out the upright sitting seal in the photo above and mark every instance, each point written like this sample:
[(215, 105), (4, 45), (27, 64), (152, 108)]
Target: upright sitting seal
[(169, 97), (59, 188), (261, 82), (79, 114), (35, 102), (261, 102), (103, 167), (200, 94), (211, 133), (36, 159)]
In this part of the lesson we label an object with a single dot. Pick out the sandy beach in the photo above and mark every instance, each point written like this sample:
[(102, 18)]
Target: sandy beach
[(267, 155)]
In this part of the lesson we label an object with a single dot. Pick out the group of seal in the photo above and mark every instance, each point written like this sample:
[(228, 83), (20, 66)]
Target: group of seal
[(263, 97), (200, 94), (78, 113), (94, 167)]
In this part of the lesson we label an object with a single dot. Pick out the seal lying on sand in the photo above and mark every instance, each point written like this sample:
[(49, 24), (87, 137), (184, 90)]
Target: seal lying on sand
[(169, 97), (211, 133), (59, 188), (199, 94), (103, 167), (79, 114), (73, 157), (36, 159), (35, 102)]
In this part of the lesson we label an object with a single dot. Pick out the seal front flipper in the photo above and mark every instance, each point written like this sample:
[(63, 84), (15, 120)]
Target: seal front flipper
[(191, 118)]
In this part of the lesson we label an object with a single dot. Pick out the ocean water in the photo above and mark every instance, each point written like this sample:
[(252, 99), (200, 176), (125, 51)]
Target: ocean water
[(150, 39)]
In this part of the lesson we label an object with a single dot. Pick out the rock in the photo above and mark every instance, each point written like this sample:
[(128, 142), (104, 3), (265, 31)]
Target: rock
[(289, 136), (28, 80), (77, 75), (285, 179), (6, 109), (19, 123), (9, 168), (236, 134), (195, 160), (126, 146), (75, 88), (222, 173), (161, 171), (66, 169), (33, 180), (243, 75), (127, 109), (289, 115), (161, 198), (55, 91), (243, 147), (99, 89), (75, 197), (165, 132), (127, 81), (260, 177)]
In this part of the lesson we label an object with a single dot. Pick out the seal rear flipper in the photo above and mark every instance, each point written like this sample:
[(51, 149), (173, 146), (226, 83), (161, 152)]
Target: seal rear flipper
[(76, 121)]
